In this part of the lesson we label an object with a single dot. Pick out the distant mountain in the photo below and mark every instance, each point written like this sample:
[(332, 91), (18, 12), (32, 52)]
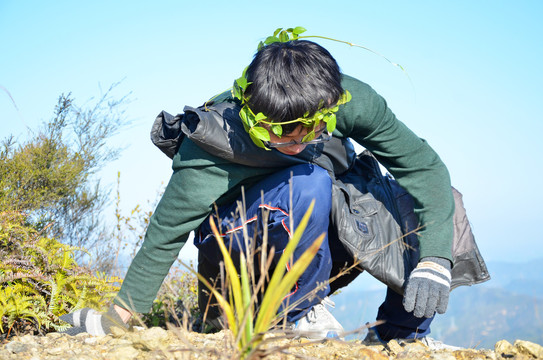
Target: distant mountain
[(480, 316), (521, 278), (509, 306)]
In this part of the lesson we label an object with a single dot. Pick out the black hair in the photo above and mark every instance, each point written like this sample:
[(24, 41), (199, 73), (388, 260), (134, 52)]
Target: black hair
[(290, 79)]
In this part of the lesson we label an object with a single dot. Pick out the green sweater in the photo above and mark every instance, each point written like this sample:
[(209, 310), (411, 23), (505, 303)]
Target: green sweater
[(201, 179)]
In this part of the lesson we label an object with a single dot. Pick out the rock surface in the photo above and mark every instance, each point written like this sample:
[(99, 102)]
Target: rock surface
[(157, 344)]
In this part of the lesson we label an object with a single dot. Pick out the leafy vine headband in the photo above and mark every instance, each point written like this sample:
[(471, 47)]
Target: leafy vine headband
[(257, 125)]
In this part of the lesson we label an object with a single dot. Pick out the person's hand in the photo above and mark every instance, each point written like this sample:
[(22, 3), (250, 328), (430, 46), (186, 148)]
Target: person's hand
[(92, 322), (428, 287)]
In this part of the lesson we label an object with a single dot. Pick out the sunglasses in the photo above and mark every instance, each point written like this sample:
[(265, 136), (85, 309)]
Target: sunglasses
[(323, 137)]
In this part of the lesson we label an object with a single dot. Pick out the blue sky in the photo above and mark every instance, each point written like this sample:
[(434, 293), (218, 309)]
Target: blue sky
[(475, 90)]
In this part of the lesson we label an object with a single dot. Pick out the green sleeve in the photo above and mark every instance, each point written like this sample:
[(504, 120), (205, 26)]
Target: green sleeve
[(414, 164), (198, 180)]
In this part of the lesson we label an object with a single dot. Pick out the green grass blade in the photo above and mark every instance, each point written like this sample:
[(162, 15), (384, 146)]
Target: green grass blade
[(231, 271), (298, 268), (286, 285), (247, 327), (266, 312)]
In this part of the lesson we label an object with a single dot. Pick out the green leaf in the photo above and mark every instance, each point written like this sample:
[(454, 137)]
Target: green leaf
[(283, 36), (277, 31), (236, 92), (243, 115), (246, 116), (310, 136), (260, 116), (348, 96), (246, 126), (271, 39), (298, 30), (277, 130), (242, 82), (331, 123), (260, 133), (257, 141)]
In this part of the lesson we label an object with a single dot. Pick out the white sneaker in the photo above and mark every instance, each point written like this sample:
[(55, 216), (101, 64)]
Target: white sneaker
[(373, 338), (318, 323), (434, 344)]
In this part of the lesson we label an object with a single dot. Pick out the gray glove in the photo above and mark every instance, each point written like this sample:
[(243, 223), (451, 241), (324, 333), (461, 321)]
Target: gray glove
[(428, 287), (92, 322)]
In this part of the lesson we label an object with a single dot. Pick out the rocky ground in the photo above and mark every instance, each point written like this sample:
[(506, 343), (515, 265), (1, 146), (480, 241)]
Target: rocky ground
[(157, 343)]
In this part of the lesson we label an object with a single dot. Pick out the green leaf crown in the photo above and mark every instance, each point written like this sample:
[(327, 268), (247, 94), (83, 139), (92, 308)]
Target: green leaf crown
[(257, 125)]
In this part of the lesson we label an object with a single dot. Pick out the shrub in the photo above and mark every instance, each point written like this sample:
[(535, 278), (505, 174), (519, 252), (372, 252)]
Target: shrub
[(50, 176), (40, 279)]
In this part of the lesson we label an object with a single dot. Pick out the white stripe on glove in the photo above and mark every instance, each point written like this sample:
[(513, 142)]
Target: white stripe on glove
[(428, 286)]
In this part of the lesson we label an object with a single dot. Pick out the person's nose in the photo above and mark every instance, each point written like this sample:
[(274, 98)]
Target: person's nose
[(297, 148)]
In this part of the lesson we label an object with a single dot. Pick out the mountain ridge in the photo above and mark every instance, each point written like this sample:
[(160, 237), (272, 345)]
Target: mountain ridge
[(509, 306)]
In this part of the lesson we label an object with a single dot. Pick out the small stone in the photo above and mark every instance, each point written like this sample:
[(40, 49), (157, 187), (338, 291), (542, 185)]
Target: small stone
[(411, 355), (412, 350), (119, 342), (529, 348), (84, 357), (90, 341), (55, 335), (468, 354), (82, 336), (123, 353), (55, 350), (442, 355), (17, 347), (117, 331), (150, 339), (101, 340), (394, 347), (371, 354), (415, 346), (504, 348), (154, 333)]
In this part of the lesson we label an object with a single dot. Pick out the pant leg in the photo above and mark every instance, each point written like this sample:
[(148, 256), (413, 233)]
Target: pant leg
[(271, 199), (400, 324), (206, 302)]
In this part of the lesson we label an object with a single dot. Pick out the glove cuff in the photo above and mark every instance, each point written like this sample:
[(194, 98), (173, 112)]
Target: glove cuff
[(111, 318), (434, 269), (446, 263)]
